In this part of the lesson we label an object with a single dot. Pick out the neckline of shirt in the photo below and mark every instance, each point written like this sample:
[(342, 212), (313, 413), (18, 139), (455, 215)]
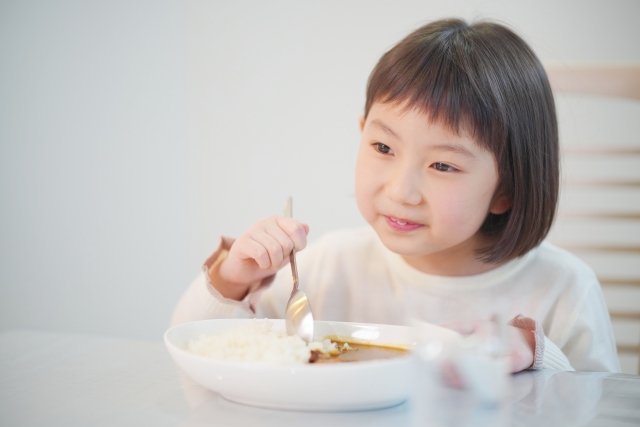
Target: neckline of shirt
[(487, 279)]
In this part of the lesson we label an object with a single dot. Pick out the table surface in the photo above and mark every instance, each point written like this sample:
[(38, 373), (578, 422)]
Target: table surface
[(57, 379)]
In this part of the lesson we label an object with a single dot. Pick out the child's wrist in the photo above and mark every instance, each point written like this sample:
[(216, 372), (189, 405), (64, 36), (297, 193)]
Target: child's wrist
[(534, 338), (522, 350), (227, 287), (530, 339)]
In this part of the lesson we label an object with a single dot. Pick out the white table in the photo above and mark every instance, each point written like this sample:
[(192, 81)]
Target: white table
[(55, 379)]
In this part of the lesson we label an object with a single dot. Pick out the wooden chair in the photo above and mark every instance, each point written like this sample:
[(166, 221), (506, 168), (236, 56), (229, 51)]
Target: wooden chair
[(604, 230)]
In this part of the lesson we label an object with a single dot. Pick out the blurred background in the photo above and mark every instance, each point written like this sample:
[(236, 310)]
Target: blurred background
[(134, 133)]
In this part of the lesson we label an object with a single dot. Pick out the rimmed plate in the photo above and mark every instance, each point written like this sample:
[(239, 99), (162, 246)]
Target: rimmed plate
[(330, 387)]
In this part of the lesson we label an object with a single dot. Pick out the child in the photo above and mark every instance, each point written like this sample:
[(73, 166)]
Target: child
[(457, 175)]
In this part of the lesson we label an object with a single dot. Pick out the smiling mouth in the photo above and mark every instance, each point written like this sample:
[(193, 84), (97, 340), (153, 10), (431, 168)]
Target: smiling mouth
[(399, 224)]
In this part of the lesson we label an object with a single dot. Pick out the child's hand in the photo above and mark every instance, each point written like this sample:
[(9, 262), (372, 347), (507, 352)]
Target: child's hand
[(261, 251), (520, 343)]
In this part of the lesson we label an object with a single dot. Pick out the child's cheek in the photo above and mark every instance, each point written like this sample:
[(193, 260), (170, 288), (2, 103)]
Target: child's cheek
[(366, 187), (460, 212)]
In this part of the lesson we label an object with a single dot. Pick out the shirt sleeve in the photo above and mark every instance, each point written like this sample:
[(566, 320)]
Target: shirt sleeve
[(202, 301), (553, 358), (547, 355), (589, 343)]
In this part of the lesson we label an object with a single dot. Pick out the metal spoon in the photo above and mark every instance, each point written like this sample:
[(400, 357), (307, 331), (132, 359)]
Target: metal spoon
[(298, 316)]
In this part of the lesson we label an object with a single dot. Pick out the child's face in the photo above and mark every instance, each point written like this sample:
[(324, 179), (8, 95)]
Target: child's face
[(423, 188)]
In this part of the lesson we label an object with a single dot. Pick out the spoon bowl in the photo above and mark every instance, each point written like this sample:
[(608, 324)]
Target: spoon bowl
[(298, 316)]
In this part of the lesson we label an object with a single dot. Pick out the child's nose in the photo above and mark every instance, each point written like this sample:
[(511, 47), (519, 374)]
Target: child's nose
[(403, 186)]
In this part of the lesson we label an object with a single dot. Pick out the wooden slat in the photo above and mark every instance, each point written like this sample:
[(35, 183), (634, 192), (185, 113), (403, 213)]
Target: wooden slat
[(633, 349), (602, 183), (600, 215), (609, 80), (625, 315), (613, 80), (601, 151), (619, 282), (603, 248)]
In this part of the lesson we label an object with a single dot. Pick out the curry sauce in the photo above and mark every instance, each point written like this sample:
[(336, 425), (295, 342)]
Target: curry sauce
[(357, 352)]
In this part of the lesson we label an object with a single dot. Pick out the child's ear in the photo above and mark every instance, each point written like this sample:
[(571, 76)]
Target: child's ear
[(500, 204), (361, 120)]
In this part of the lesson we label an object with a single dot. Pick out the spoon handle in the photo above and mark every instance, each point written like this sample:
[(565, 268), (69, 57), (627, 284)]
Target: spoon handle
[(288, 213)]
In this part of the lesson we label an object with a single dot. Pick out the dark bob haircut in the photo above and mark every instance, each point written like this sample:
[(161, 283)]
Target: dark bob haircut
[(484, 79)]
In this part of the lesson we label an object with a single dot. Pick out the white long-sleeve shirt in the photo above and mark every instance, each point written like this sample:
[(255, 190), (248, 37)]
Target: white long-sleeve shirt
[(351, 276)]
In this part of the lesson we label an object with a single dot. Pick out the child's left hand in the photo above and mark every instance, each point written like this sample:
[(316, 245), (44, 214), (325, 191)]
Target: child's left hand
[(520, 343)]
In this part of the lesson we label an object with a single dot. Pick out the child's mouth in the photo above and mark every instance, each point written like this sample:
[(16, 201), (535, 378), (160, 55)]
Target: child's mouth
[(399, 224)]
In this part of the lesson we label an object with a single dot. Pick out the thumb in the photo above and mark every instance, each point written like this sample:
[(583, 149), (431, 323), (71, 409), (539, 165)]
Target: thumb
[(463, 327)]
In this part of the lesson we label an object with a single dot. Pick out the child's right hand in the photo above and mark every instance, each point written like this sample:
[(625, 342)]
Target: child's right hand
[(261, 251)]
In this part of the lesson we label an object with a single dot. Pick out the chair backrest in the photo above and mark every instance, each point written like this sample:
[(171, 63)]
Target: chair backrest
[(599, 212)]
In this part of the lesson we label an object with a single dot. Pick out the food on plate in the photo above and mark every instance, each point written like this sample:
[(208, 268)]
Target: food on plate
[(255, 342), (258, 342), (351, 351)]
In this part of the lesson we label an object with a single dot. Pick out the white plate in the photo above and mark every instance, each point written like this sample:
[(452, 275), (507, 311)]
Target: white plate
[(314, 387)]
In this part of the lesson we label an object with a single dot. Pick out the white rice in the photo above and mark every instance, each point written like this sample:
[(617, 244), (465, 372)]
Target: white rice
[(258, 342)]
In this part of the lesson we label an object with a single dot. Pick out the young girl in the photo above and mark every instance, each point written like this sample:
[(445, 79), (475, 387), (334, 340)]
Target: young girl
[(457, 176)]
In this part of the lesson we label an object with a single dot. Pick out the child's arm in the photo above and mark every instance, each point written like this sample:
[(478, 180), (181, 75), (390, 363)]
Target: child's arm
[(261, 251), (235, 292), (519, 342), (582, 338), (587, 341)]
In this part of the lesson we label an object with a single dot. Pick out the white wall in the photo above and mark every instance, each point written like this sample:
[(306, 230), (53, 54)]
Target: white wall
[(133, 133), (93, 225), (274, 91)]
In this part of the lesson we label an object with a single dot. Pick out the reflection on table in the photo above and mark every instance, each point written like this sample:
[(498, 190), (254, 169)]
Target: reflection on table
[(62, 379)]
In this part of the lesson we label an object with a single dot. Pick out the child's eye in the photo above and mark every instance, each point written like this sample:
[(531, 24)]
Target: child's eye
[(381, 148), (443, 167)]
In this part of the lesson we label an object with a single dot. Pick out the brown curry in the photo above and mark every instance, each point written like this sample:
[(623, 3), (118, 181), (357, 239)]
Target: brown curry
[(357, 352)]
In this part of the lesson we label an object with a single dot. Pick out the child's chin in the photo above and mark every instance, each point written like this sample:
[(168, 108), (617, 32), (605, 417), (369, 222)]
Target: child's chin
[(402, 246)]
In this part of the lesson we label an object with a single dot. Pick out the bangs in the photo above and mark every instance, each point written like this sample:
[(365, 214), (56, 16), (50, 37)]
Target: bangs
[(483, 80), (433, 72)]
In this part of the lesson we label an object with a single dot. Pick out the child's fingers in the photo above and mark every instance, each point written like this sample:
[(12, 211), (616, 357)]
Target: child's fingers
[(252, 249), (486, 328), (283, 239), (270, 241), (272, 247), (296, 231), (462, 327), (521, 344), (483, 328), (450, 375)]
